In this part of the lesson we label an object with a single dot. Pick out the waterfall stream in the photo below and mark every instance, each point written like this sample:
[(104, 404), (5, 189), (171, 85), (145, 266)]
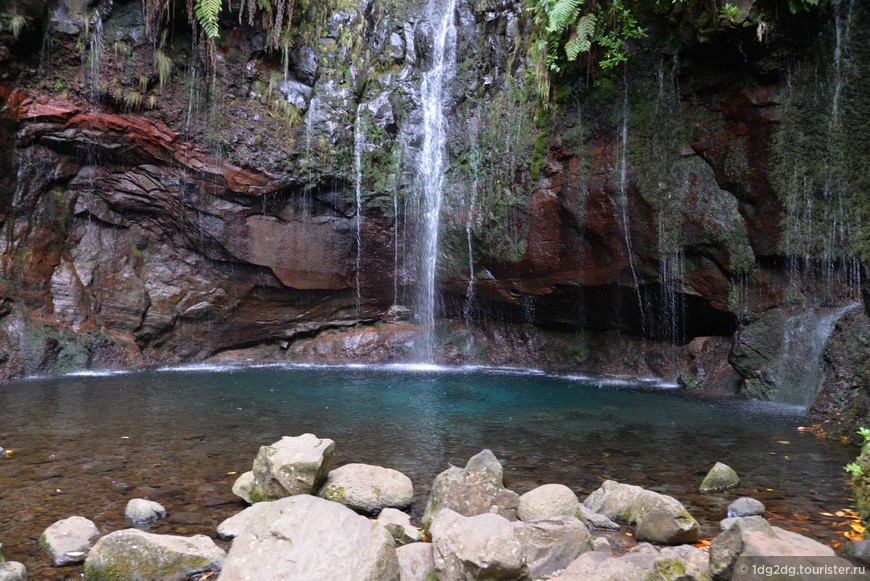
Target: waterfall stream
[(358, 138), (432, 162), (800, 371)]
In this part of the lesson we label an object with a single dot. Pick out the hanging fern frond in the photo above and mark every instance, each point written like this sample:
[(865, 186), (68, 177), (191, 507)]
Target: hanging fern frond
[(563, 14), (581, 40), (207, 13)]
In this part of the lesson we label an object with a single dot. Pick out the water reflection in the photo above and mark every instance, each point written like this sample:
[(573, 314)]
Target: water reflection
[(85, 445)]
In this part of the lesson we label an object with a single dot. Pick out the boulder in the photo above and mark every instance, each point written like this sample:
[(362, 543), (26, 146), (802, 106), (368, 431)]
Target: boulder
[(68, 540), (656, 517), (728, 545), (368, 489), (12, 571), (233, 526), (721, 477), (484, 546), (754, 537), (135, 554), (858, 551), (475, 489), (548, 501), (288, 467), (787, 548), (399, 526), (745, 506), (641, 563), (593, 520), (552, 544), (142, 512), (306, 538), (416, 562), (602, 566)]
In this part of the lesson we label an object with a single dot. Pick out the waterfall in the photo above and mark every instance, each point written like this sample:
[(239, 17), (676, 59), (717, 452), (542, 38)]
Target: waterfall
[(622, 152), (471, 216), (95, 55), (431, 161), (358, 138), (799, 371)]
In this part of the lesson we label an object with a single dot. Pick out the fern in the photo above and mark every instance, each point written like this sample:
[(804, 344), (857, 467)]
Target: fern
[(562, 14), (163, 66), (207, 13), (581, 40)]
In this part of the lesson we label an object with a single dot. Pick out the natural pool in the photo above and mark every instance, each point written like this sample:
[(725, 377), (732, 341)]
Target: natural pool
[(85, 445)]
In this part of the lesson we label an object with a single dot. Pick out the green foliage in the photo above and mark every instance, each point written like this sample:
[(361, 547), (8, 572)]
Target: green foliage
[(796, 6), (728, 12), (207, 13)]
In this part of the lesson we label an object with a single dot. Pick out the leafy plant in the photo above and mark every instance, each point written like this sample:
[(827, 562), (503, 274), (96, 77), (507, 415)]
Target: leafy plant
[(855, 470), (207, 13), (728, 12)]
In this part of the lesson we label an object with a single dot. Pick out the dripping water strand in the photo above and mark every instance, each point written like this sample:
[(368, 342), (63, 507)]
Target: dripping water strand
[(623, 203), (432, 163), (357, 187)]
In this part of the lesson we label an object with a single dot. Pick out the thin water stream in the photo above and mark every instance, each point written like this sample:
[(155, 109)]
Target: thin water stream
[(86, 445)]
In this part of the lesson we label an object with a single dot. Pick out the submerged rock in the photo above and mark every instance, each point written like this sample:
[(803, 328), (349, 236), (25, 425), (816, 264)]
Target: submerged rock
[(288, 467), (140, 511), (368, 489), (745, 506), (721, 477), (473, 490), (135, 554), (69, 540), (656, 517), (308, 538), (13, 571)]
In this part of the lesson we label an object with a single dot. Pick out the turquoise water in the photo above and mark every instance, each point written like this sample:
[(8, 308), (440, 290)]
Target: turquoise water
[(85, 445)]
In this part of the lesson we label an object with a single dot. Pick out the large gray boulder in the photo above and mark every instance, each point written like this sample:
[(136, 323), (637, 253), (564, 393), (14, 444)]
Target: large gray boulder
[(641, 563), (68, 541), (550, 545), (656, 517), (13, 571), (290, 466), (135, 554), (233, 526), (753, 538), (548, 501), (555, 500), (720, 478), (306, 538), (368, 489), (484, 546), (475, 489), (140, 511), (416, 562)]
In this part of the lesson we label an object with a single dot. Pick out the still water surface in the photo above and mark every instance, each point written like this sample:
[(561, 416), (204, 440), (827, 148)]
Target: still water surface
[(85, 445)]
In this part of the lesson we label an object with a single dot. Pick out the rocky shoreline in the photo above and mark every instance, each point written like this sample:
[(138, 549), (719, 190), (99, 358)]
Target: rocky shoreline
[(314, 522)]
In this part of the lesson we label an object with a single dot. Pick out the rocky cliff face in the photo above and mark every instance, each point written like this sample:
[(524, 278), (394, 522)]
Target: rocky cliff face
[(178, 212)]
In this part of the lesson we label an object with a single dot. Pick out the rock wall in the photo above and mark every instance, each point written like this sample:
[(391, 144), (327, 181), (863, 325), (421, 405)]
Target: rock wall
[(155, 213)]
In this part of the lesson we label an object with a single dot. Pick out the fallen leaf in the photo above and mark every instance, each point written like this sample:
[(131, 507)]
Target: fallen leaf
[(232, 473), (826, 514), (783, 442)]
